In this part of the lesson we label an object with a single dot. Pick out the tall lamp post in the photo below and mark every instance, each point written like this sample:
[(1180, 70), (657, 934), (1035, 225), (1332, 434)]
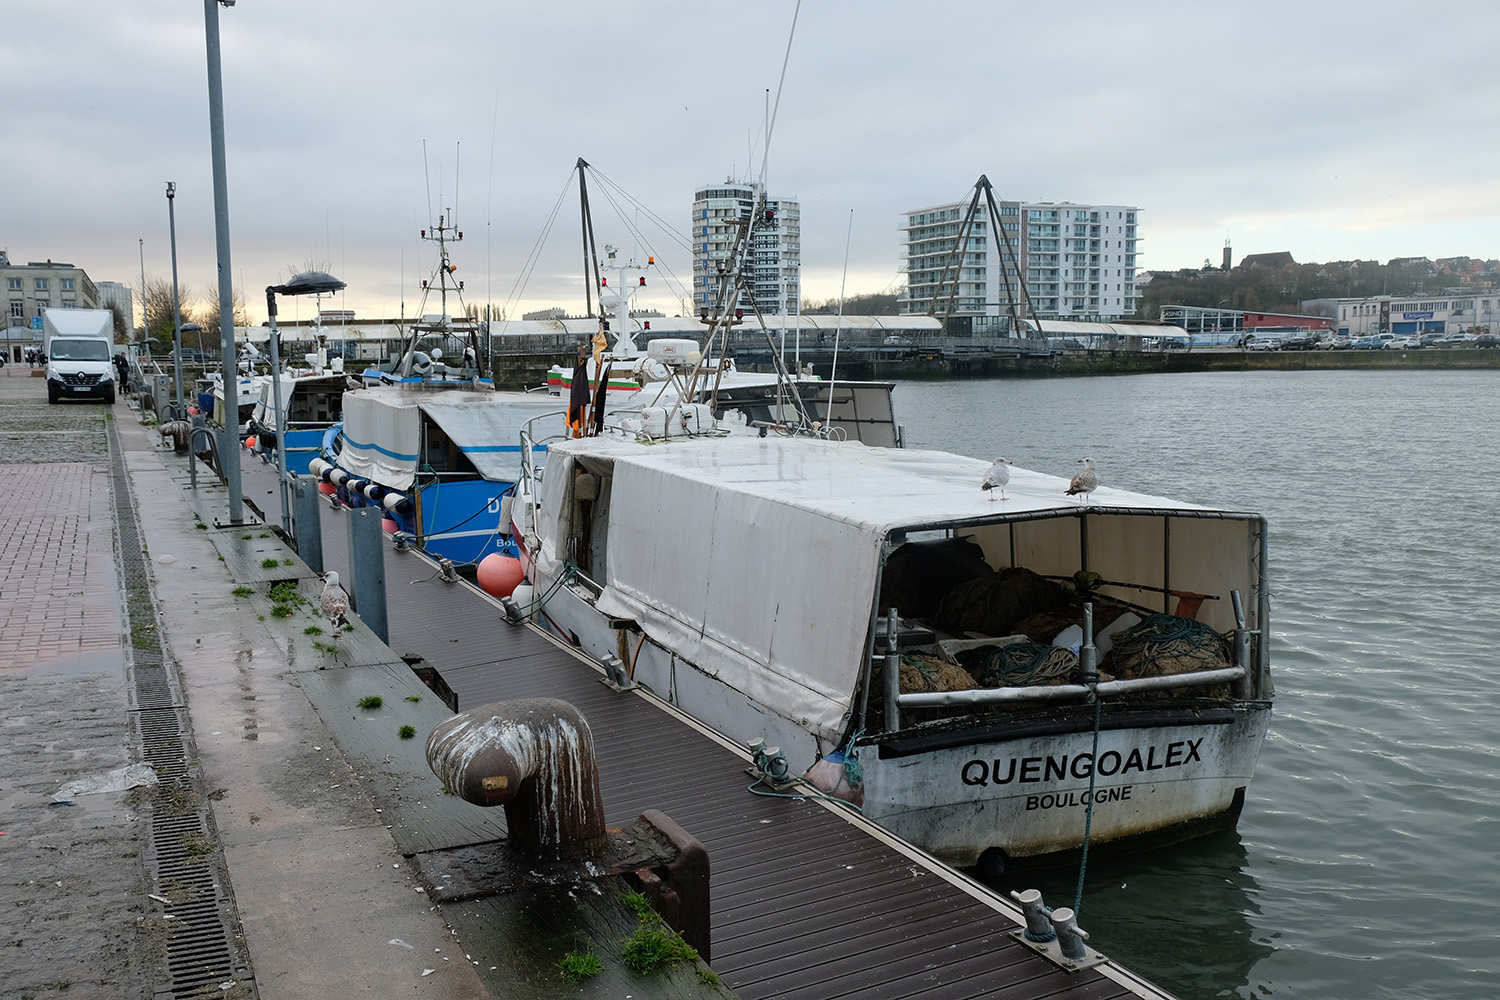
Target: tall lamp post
[(306, 283), (176, 302), (183, 328), (229, 454)]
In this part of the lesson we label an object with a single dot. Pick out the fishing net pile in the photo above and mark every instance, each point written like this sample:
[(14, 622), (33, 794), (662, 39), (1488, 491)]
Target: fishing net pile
[(1162, 645), (1019, 664), (949, 585)]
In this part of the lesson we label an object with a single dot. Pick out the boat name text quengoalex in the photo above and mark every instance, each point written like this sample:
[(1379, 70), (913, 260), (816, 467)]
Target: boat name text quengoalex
[(1029, 770)]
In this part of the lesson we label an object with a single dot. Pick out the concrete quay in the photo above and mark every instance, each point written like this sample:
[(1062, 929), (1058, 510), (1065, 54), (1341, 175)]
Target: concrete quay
[(261, 841)]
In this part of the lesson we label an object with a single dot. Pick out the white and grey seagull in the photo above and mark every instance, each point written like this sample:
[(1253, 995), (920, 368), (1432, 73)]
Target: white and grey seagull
[(998, 475), (334, 603), (1085, 482)]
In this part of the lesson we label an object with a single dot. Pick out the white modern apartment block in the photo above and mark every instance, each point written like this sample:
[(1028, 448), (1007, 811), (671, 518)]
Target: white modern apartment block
[(774, 274), (115, 295), (1078, 261)]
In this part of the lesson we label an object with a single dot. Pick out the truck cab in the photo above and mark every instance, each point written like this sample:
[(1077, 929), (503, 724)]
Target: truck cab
[(80, 347)]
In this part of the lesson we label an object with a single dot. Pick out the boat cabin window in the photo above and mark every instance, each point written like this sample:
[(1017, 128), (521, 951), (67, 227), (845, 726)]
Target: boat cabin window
[(441, 454)]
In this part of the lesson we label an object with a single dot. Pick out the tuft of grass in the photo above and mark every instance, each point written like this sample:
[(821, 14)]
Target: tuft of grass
[(708, 976), (283, 610), (265, 534), (269, 563), (577, 966), (638, 904), (242, 591), (371, 701), (328, 648), (286, 562), (201, 526), (312, 630), (654, 946), (413, 698), (407, 732)]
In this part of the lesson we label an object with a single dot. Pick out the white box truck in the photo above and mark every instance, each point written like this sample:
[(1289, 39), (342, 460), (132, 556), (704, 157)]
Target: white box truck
[(80, 347)]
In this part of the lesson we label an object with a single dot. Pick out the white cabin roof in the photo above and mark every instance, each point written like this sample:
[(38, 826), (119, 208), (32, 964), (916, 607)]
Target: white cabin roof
[(877, 488)]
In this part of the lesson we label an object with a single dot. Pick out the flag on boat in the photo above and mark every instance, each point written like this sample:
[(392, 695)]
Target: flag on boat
[(578, 398)]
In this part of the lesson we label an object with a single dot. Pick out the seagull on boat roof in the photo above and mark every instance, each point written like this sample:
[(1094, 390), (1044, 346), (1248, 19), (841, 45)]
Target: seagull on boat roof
[(998, 475), (335, 602), (1086, 481)]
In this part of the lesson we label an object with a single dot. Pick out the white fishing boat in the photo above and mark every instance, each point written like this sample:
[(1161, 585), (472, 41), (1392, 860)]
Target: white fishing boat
[(771, 586), (996, 680)]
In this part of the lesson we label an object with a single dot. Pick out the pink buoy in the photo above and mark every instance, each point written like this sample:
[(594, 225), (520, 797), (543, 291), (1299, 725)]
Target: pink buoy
[(327, 489), (388, 526), (499, 575)]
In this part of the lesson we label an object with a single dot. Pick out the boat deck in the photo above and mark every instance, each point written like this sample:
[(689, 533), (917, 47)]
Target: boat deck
[(808, 900)]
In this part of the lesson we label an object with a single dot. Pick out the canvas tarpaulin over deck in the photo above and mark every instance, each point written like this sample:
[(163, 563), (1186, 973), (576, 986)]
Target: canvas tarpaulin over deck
[(383, 430)]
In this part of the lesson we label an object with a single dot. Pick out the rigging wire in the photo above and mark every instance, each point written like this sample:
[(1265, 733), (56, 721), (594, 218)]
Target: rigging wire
[(534, 257), (671, 277), (781, 82)]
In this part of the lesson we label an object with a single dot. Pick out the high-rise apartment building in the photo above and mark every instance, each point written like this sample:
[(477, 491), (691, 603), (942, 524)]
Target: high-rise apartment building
[(1078, 262), (774, 272)]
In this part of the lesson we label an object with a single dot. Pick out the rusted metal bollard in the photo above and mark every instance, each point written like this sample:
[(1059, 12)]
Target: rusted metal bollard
[(534, 756)]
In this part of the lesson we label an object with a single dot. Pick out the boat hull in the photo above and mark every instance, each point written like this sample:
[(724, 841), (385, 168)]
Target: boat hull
[(962, 792), (1160, 775)]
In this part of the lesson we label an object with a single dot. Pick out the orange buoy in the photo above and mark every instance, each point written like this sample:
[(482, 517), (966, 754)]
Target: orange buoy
[(327, 489), (499, 575), (250, 442)]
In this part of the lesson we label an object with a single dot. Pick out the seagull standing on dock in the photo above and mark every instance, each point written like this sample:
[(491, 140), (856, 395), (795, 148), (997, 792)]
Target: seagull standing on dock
[(998, 475), (335, 602), (1086, 481)]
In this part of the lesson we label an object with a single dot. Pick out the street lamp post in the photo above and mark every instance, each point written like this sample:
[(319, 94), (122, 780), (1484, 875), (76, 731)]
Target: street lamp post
[(176, 303), (306, 283), (229, 454), (193, 429)]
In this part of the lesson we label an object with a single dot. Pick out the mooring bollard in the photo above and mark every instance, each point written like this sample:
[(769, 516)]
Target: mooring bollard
[(1070, 936), (367, 569), (306, 525)]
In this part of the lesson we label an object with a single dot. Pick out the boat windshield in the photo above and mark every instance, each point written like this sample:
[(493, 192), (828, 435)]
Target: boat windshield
[(78, 350)]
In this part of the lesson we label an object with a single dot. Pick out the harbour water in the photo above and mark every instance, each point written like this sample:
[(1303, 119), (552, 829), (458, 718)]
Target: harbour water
[(1364, 862)]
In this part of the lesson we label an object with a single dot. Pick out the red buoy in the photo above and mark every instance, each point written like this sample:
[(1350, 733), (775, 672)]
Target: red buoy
[(499, 575)]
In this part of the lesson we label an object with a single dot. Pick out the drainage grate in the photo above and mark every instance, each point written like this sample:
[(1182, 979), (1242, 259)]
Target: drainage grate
[(182, 857)]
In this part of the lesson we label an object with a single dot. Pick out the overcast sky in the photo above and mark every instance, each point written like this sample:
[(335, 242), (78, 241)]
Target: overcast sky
[(1333, 130)]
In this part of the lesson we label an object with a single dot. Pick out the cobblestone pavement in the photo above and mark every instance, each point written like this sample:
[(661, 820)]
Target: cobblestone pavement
[(72, 883)]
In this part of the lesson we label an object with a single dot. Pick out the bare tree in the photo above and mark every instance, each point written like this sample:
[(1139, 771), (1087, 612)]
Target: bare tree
[(158, 303), (210, 317)]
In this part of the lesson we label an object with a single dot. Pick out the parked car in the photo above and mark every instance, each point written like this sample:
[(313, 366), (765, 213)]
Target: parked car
[(1262, 344), (1300, 343), (1403, 344), (1366, 344), (1335, 343), (1428, 339), (1487, 340), (1457, 340)]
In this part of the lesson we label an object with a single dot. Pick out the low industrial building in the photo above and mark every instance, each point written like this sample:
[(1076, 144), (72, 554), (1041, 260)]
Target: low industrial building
[(1442, 312)]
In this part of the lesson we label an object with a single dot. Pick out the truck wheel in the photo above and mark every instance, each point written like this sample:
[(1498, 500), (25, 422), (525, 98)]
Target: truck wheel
[(109, 397), (51, 394)]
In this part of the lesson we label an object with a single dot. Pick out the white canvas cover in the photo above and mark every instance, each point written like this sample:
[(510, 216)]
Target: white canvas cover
[(382, 437), (487, 426), (757, 560), (383, 430), (753, 607)]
